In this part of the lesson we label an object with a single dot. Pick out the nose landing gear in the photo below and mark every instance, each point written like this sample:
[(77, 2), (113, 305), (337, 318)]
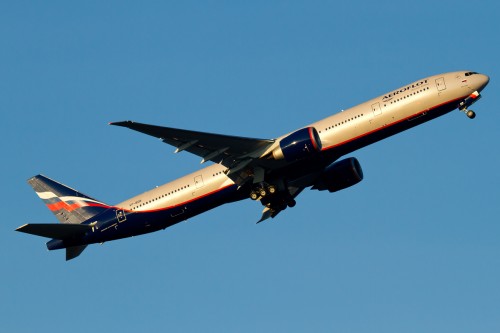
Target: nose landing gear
[(469, 113), (471, 99)]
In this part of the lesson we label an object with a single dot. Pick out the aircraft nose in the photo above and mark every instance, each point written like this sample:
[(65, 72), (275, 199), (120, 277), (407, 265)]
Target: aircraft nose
[(482, 80)]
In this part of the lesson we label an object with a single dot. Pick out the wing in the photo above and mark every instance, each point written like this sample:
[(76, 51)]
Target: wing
[(242, 156), (225, 149)]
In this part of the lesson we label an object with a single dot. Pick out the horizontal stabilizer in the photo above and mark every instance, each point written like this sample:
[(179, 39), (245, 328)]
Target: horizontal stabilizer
[(57, 231), (74, 251)]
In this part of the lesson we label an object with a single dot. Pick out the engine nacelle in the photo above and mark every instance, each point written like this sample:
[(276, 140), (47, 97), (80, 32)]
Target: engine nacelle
[(340, 175), (298, 145)]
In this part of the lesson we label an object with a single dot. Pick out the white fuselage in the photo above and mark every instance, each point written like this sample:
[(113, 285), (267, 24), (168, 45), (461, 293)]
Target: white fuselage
[(398, 108)]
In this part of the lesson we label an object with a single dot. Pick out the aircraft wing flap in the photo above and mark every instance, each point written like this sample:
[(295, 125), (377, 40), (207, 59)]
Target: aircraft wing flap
[(211, 147)]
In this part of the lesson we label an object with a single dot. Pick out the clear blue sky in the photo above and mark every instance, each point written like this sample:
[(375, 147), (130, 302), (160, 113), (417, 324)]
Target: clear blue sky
[(415, 247)]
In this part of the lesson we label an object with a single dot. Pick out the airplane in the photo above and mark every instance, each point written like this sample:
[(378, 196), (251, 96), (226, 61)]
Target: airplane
[(272, 171)]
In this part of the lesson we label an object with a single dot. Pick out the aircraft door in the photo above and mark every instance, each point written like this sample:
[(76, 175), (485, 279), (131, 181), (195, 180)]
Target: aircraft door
[(440, 84), (120, 216), (198, 181), (376, 109)]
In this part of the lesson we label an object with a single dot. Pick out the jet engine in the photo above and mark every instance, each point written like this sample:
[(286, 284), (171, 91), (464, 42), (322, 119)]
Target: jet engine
[(298, 145), (340, 175)]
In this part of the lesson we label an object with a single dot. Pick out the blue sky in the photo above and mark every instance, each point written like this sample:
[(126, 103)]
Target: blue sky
[(415, 247)]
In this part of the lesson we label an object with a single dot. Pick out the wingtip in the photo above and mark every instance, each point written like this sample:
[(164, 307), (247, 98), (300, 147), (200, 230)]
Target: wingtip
[(20, 229), (120, 123)]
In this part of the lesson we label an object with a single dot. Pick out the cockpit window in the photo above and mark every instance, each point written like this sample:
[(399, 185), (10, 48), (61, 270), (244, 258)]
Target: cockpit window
[(470, 73)]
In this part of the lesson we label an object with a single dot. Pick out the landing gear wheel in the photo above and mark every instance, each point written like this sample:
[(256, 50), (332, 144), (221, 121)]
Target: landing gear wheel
[(291, 203), (271, 189), (471, 114), (262, 192), (254, 195)]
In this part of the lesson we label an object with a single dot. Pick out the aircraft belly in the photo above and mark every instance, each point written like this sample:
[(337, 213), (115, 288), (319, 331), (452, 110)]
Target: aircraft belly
[(138, 223)]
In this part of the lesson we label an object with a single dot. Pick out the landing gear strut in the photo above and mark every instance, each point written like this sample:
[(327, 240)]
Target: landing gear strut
[(471, 114)]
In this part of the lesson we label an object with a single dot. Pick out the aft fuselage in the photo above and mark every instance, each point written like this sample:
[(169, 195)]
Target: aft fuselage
[(340, 134)]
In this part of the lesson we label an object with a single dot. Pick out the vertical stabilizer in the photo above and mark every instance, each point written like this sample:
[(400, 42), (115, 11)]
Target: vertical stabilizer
[(67, 204)]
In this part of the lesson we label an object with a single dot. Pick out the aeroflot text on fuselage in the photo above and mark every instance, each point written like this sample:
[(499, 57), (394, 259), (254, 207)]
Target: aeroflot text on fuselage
[(402, 90)]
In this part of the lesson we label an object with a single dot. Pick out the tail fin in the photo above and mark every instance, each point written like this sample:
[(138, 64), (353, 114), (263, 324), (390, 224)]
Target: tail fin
[(71, 208), (67, 204)]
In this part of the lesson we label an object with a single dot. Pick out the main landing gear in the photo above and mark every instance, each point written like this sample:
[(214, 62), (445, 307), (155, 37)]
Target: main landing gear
[(262, 191), (270, 197)]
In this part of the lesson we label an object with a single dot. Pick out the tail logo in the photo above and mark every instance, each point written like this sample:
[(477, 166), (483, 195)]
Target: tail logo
[(68, 203)]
